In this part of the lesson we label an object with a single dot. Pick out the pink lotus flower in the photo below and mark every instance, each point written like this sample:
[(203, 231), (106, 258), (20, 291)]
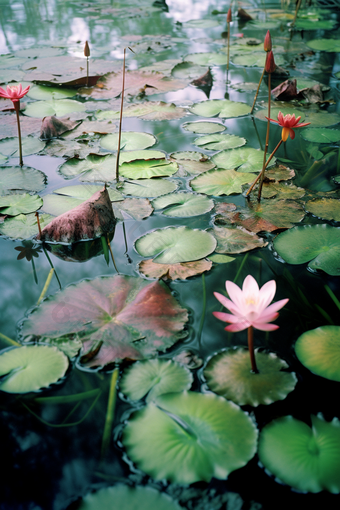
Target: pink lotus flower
[(14, 93), (288, 123), (249, 306)]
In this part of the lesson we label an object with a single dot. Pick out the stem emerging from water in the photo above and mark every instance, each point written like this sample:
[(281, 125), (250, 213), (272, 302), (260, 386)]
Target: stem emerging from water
[(267, 141), (17, 111), (257, 91), (251, 349)]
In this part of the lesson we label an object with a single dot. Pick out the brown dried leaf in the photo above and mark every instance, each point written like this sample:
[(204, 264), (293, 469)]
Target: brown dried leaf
[(179, 271), (286, 90), (51, 127), (236, 240)]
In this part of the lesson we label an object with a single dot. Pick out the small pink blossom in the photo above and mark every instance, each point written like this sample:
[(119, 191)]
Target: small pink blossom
[(14, 93), (288, 123), (249, 306)]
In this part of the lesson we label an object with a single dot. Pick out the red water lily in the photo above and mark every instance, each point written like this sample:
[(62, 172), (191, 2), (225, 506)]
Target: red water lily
[(288, 123), (14, 93)]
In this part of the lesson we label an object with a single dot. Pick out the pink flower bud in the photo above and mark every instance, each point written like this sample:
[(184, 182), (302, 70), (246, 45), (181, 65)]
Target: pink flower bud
[(267, 42), (229, 18), (270, 63), (87, 49)]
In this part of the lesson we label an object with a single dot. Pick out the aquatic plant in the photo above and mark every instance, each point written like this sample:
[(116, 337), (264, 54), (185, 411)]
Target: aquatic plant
[(15, 93), (229, 20), (267, 47), (87, 54)]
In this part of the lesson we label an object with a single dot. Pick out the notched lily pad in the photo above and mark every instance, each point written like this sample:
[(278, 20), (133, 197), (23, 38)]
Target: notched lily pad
[(183, 205), (151, 110), (236, 240), (179, 271), (200, 127), (58, 107), (245, 159), (21, 178), (12, 205), (130, 141), (148, 187), (222, 107), (220, 182), (217, 142), (10, 147), (24, 226), (146, 169)]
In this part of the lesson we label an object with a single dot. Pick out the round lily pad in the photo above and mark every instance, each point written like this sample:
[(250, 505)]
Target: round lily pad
[(183, 204), (146, 169), (236, 240), (47, 93), (207, 59), (245, 159), (317, 244), (188, 71), (217, 142), (19, 204), (30, 145), (201, 23), (326, 208), (306, 458), (315, 24), (154, 377), (220, 182), (175, 244), (330, 45), (58, 107), (229, 374), (319, 351), (203, 127), (221, 107), (31, 367), (125, 497), (24, 226), (321, 135), (262, 114), (130, 141), (200, 435), (148, 187), (255, 59)]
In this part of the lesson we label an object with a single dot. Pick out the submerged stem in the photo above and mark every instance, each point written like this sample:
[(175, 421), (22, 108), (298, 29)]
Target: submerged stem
[(111, 404), (251, 349)]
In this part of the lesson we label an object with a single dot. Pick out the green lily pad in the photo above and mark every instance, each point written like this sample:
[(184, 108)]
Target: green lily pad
[(245, 159), (326, 208), (201, 23), (217, 142), (50, 93), (128, 498), (319, 351), (321, 119), (84, 192), (189, 71), (30, 145), (281, 190), (261, 25), (321, 24), (58, 107), (182, 205), (207, 59), (220, 182), (229, 374), (319, 244), (330, 45), (175, 244), (152, 110), (255, 59), (304, 83), (244, 87), (19, 204), (200, 435), (274, 111), (134, 208), (146, 169), (220, 259), (130, 141), (221, 107), (115, 317), (321, 135), (307, 459), (24, 226), (193, 162), (236, 240), (30, 368), (148, 187), (154, 377), (203, 127), (21, 178)]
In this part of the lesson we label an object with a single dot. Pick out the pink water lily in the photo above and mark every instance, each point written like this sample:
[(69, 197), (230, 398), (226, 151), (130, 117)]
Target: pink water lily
[(14, 93), (249, 306), (288, 123)]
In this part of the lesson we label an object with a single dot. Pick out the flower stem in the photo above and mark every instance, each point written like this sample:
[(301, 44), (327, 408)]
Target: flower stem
[(228, 48), (267, 140), (251, 349), (296, 12), (17, 110), (267, 163), (257, 91)]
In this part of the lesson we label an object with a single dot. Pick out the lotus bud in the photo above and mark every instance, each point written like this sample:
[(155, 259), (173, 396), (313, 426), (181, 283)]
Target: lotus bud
[(270, 63), (267, 42), (87, 49), (229, 18)]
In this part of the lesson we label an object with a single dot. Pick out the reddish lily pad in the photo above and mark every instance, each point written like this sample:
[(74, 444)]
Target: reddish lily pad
[(135, 208), (152, 110), (179, 271), (9, 126), (236, 240), (116, 317)]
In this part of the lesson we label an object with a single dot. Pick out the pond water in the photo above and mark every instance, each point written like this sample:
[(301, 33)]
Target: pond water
[(53, 453)]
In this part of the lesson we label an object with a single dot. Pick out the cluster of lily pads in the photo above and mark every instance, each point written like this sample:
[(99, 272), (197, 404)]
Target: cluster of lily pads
[(197, 435)]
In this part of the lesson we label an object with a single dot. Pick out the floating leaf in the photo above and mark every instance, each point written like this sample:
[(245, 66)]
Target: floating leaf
[(146, 169), (130, 141), (201, 23), (244, 87), (246, 159), (221, 107), (255, 59), (58, 107), (179, 271), (216, 142), (326, 208), (236, 240), (322, 119), (20, 204), (220, 182), (120, 316), (207, 59), (21, 178), (128, 498), (189, 71), (331, 45), (307, 459), (24, 226), (85, 191), (319, 244), (148, 187), (154, 377), (229, 374), (274, 111), (182, 205), (10, 61), (47, 93), (175, 244), (220, 259), (282, 190), (152, 110), (321, 135), (321, 24), (203, 127), (10, 146), (9, 126), (135, 208), (30, 368), (200, 435), (319, 351)]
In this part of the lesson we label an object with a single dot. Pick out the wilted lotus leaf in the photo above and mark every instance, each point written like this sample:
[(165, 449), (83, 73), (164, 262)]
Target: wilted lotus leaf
[(116, 317), (326, 208), (9, 126), (220, 182), (236, 240), (58, 107), (218, 142), (128, 498), (152, 110), (200, 435), (13, 205), (306, 458), (146, 169), (183, 204), (135, 208), (21, 178), (207, 59), (154, 377), (90, 219), (52, 127), (330, 45), (321, 135), (221, 107), (30, 145), (175, 244), (88, 127), (282, 191), (229, 374), (136, 82), (148, 187), (319, 351), (179, 271), (30, 368), (319, 244), (245, 159), (203, 127), (24, 226)]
